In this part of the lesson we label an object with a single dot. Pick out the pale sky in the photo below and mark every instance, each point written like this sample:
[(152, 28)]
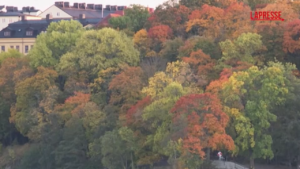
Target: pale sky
[(44, 4)]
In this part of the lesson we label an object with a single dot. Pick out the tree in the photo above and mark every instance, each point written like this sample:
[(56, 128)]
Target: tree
[(291, 37), (284, 131), (243, 49), (11, 53), (98, 50), (59, 39), (206, 45), (206, 22), (206, 123), (121, 22), (160, 33), (237, 20), (173, 16), (142, 42), (170, 49), (201, 63), (248, 96), (126, 88), (114, 151), (26, 113), (197, 3), (11, 71), (158, 116), (138, 16)]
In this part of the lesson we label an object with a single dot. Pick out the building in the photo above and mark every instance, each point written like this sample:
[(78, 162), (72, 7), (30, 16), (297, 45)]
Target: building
[(21, 35), (10, 14), (66, 10)]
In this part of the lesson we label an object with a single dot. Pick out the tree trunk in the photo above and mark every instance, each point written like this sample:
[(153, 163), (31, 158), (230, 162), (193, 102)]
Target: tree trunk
[(208, 154), (251, 162), (132, 164)]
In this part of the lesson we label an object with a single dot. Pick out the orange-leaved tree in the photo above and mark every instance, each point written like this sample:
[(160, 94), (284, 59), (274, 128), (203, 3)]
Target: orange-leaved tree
[(160, 33), (206, 123), (208, 22), (200, 62), (291, 37), (126, 88), (237, 20)]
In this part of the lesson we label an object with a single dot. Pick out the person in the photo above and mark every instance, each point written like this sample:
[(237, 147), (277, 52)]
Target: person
[(220, 155)]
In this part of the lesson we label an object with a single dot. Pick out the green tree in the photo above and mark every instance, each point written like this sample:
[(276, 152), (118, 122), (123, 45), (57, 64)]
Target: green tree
[(59, 38), (98, 50), (122, 22), (134, 18), (249, 95), (114, 150), (11, 53), (243, 49)]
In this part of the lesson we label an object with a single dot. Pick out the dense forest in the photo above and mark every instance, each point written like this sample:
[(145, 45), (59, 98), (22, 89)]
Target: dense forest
[(175, 85)]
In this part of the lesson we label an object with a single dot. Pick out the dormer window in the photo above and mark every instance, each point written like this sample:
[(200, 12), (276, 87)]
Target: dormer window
[(29, 33), (7, 33)]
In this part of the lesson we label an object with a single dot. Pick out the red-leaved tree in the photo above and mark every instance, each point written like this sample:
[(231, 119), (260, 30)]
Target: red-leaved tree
[(206, 123), (160, 33)]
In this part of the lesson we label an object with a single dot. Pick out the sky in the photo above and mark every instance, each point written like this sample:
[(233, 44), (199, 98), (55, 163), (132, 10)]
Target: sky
[(44, 4)]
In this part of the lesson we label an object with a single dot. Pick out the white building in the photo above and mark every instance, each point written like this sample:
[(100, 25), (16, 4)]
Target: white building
[(66, 10), (10, 14)]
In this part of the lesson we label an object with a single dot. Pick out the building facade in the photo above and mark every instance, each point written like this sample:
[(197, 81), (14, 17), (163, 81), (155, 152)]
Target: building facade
[(21, 35), (10, 14)]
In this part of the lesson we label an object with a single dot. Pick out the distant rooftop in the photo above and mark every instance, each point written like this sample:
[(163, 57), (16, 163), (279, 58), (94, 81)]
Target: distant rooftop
[(13, 11), (19, 29), (89, 10)]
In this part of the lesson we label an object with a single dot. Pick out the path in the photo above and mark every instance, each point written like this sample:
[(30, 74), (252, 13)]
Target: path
[(227, 165)]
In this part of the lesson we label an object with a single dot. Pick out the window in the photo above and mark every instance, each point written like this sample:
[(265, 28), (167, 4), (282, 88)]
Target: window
[(58, 14), (18, 48), (7, 33), (26, 49), (29, 33), (3, 48), (11, 47), (3, 20), (10, 20)]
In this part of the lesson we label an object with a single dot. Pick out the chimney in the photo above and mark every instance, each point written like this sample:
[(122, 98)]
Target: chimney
[(76, 5), (114, 7), (9, 8), (82, 16), (49, 17), (91, 6), (82, 5), (59, 4), (98, 7), (120, 8), (66, 4), (108, 7)]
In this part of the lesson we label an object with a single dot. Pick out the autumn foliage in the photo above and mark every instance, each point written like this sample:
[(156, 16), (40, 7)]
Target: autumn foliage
[(208, 21), (174, 85), (160, 33), (291, 37), (201, 61), (206, 122)]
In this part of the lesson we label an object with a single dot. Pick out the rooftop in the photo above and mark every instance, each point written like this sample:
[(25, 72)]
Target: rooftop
[(13, 11), (90, 10), (19, 29)]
